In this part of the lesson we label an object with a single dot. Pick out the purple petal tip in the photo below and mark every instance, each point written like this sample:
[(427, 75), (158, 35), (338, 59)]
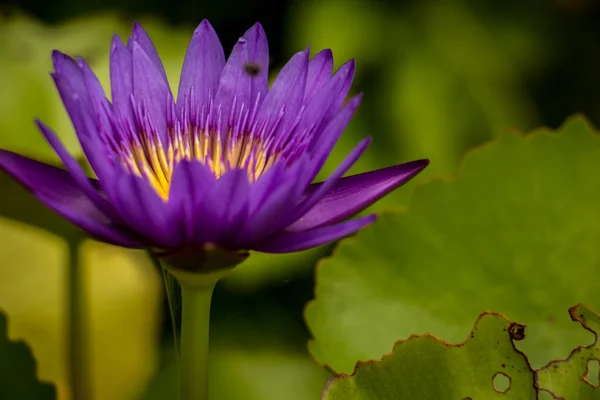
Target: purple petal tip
[(412, 168), (46, 131), (115, 43), (58, 59), (420, 164), (350, 65), (327, 53), (138, 33), (258, 28), (347, 69), (255, 33), (137, 29), (203, 27), (305, 54), (354, 102)]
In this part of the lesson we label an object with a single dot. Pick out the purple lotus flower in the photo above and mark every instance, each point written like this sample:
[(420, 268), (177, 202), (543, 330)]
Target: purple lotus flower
[(229, 162)]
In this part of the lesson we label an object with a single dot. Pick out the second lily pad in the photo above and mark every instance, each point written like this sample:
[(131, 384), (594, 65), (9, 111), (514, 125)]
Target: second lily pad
[(577, 377), (485, 366)]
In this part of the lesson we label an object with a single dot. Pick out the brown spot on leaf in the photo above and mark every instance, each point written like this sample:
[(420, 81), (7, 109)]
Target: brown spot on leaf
[(516, 331)]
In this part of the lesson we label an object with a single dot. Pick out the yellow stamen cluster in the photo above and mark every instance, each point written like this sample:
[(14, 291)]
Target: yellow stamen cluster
[(148, 159)]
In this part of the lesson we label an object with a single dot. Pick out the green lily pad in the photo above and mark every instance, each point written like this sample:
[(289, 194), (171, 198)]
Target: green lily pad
[(485, 366), (18, 370), (577, 377), (516, 232)]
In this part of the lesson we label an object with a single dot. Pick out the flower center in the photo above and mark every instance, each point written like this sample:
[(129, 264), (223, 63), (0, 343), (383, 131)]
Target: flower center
[(149, 160), (240, 147)]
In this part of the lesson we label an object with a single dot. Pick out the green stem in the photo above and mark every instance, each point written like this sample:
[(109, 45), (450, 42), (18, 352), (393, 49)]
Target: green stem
[(194, 341), (76, 326), (197, 274)]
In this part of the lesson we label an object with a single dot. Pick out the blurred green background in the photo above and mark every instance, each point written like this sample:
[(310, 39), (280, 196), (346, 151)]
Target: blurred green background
[(439, 78)]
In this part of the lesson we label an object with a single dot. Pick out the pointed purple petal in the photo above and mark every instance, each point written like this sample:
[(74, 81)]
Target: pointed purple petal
[(258, 56), (311, 200), (327, 101), (85, 127), (322, 147), (245, 75), (77, 83), (235, 84), (270, 201), (84, 83), (64, 64), (286, 93), (202, 66), (98, 99), (237, 210), (224, 208), (352, 194), (319, 72), (58, 191), (140, 36), (77, 172), (297, 241), (151, 88), (68, 68), (191, 181), (144, 211), (121, 76)]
